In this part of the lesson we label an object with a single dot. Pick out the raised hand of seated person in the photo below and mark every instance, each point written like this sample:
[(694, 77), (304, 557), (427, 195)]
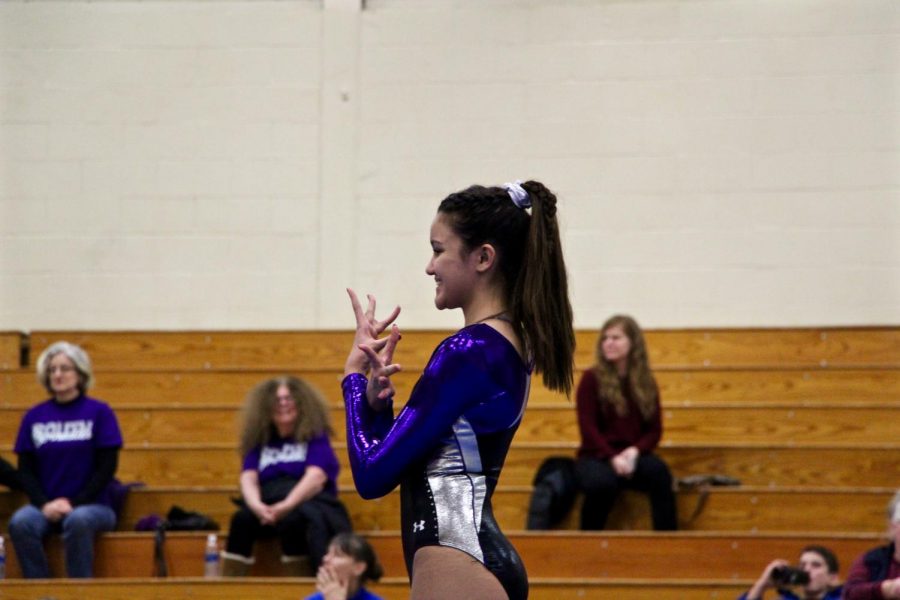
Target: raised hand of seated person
[(330, 585)]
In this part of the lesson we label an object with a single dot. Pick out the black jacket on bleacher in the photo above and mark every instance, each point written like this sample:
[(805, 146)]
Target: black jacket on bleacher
[(9, 476)]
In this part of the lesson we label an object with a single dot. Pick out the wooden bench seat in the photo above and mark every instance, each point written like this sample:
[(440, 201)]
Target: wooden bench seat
[(294, 589), (610, 555), (634, 589), (195, 588), (315, 350), (724, 509), (862, 426), (774, 465), (690, 387)]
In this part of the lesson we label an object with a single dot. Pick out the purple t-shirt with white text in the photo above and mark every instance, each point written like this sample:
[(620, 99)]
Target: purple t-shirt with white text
[(286, 457), (63, 437)]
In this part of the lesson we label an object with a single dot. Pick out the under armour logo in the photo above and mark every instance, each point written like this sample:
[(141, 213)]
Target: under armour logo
[(420, 526)]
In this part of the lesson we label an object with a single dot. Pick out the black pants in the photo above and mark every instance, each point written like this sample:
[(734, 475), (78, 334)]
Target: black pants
[(601, 485), (307, 529)]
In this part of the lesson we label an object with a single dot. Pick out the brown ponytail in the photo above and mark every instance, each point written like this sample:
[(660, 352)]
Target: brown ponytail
[(541, 298), (531, 265)]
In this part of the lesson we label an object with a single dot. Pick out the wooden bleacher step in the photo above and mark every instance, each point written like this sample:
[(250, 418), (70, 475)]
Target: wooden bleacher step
[(680, 556), (294, 589), (869, 426), (777, 465), (692, 387), (743, 509), (840, 347)]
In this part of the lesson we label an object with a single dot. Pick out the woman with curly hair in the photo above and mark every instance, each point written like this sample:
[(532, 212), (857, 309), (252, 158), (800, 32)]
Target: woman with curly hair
[(288, 479), (496, 256), (620, 423)]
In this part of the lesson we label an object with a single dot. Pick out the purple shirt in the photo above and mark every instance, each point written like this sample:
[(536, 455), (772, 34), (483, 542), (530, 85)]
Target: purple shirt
[(63, 437), (286, 457)]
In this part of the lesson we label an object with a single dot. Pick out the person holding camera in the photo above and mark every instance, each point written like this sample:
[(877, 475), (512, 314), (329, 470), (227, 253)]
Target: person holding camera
[(817, 573), (876, 574)]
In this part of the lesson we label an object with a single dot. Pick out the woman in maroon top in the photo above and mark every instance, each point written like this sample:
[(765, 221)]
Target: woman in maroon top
[(619, 419), (876, 574)]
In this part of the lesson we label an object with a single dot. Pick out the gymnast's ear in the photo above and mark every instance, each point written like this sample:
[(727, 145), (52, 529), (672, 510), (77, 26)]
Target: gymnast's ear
[(485, 257)]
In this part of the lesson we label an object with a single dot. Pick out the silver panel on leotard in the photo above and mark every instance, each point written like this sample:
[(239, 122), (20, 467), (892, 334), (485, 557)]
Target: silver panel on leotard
[(459, 490)]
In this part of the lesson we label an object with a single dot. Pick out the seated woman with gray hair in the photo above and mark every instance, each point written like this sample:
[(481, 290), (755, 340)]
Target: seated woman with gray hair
[(68, 448)]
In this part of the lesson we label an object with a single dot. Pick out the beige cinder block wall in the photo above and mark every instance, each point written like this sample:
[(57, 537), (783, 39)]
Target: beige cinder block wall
[(236, 164)]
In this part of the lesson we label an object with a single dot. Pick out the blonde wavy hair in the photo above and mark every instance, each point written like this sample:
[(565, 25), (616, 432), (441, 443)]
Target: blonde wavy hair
[(256, 422), (639, 378)]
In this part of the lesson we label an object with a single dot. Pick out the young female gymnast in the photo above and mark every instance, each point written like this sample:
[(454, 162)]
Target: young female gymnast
[(503, 266)]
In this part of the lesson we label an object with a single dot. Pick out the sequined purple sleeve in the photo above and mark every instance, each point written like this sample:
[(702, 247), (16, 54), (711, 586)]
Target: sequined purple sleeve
[(457, 378)]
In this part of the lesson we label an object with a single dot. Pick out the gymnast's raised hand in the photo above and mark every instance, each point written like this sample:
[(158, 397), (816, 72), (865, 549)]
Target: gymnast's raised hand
[(369, 352)]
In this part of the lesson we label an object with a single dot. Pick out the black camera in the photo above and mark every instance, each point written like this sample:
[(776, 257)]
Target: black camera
[(789, 576)]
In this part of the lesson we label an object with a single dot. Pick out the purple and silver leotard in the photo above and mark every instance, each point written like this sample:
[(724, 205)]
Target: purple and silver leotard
[(446, 448)]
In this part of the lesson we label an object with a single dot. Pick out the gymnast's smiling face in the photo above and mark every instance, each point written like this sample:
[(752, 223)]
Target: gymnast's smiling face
[(453, 266)]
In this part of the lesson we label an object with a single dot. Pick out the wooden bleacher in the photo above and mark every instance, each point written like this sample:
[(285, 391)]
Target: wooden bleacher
[(854, 427), (392, 589), (11, 344), (301, 351), (744, 509), (803, 417), (613, 554)]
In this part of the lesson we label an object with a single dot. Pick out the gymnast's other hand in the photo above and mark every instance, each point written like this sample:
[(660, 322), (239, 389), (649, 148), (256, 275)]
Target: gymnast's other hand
[(368, 328), (380, 389)]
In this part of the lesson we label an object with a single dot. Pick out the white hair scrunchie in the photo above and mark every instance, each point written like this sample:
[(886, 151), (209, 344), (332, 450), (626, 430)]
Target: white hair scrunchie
[(518, 194)]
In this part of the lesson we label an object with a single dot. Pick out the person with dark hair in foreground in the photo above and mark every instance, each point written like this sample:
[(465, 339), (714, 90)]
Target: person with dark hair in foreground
[(814, 578), (876, 574), (348, 565), (496, 255)]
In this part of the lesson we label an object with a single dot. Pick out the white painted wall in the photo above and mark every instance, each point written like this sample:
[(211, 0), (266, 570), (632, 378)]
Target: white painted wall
[(236, 164)]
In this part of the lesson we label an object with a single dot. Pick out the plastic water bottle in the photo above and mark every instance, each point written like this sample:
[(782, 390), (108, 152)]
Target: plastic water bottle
[(211, 557), (2, 558)]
